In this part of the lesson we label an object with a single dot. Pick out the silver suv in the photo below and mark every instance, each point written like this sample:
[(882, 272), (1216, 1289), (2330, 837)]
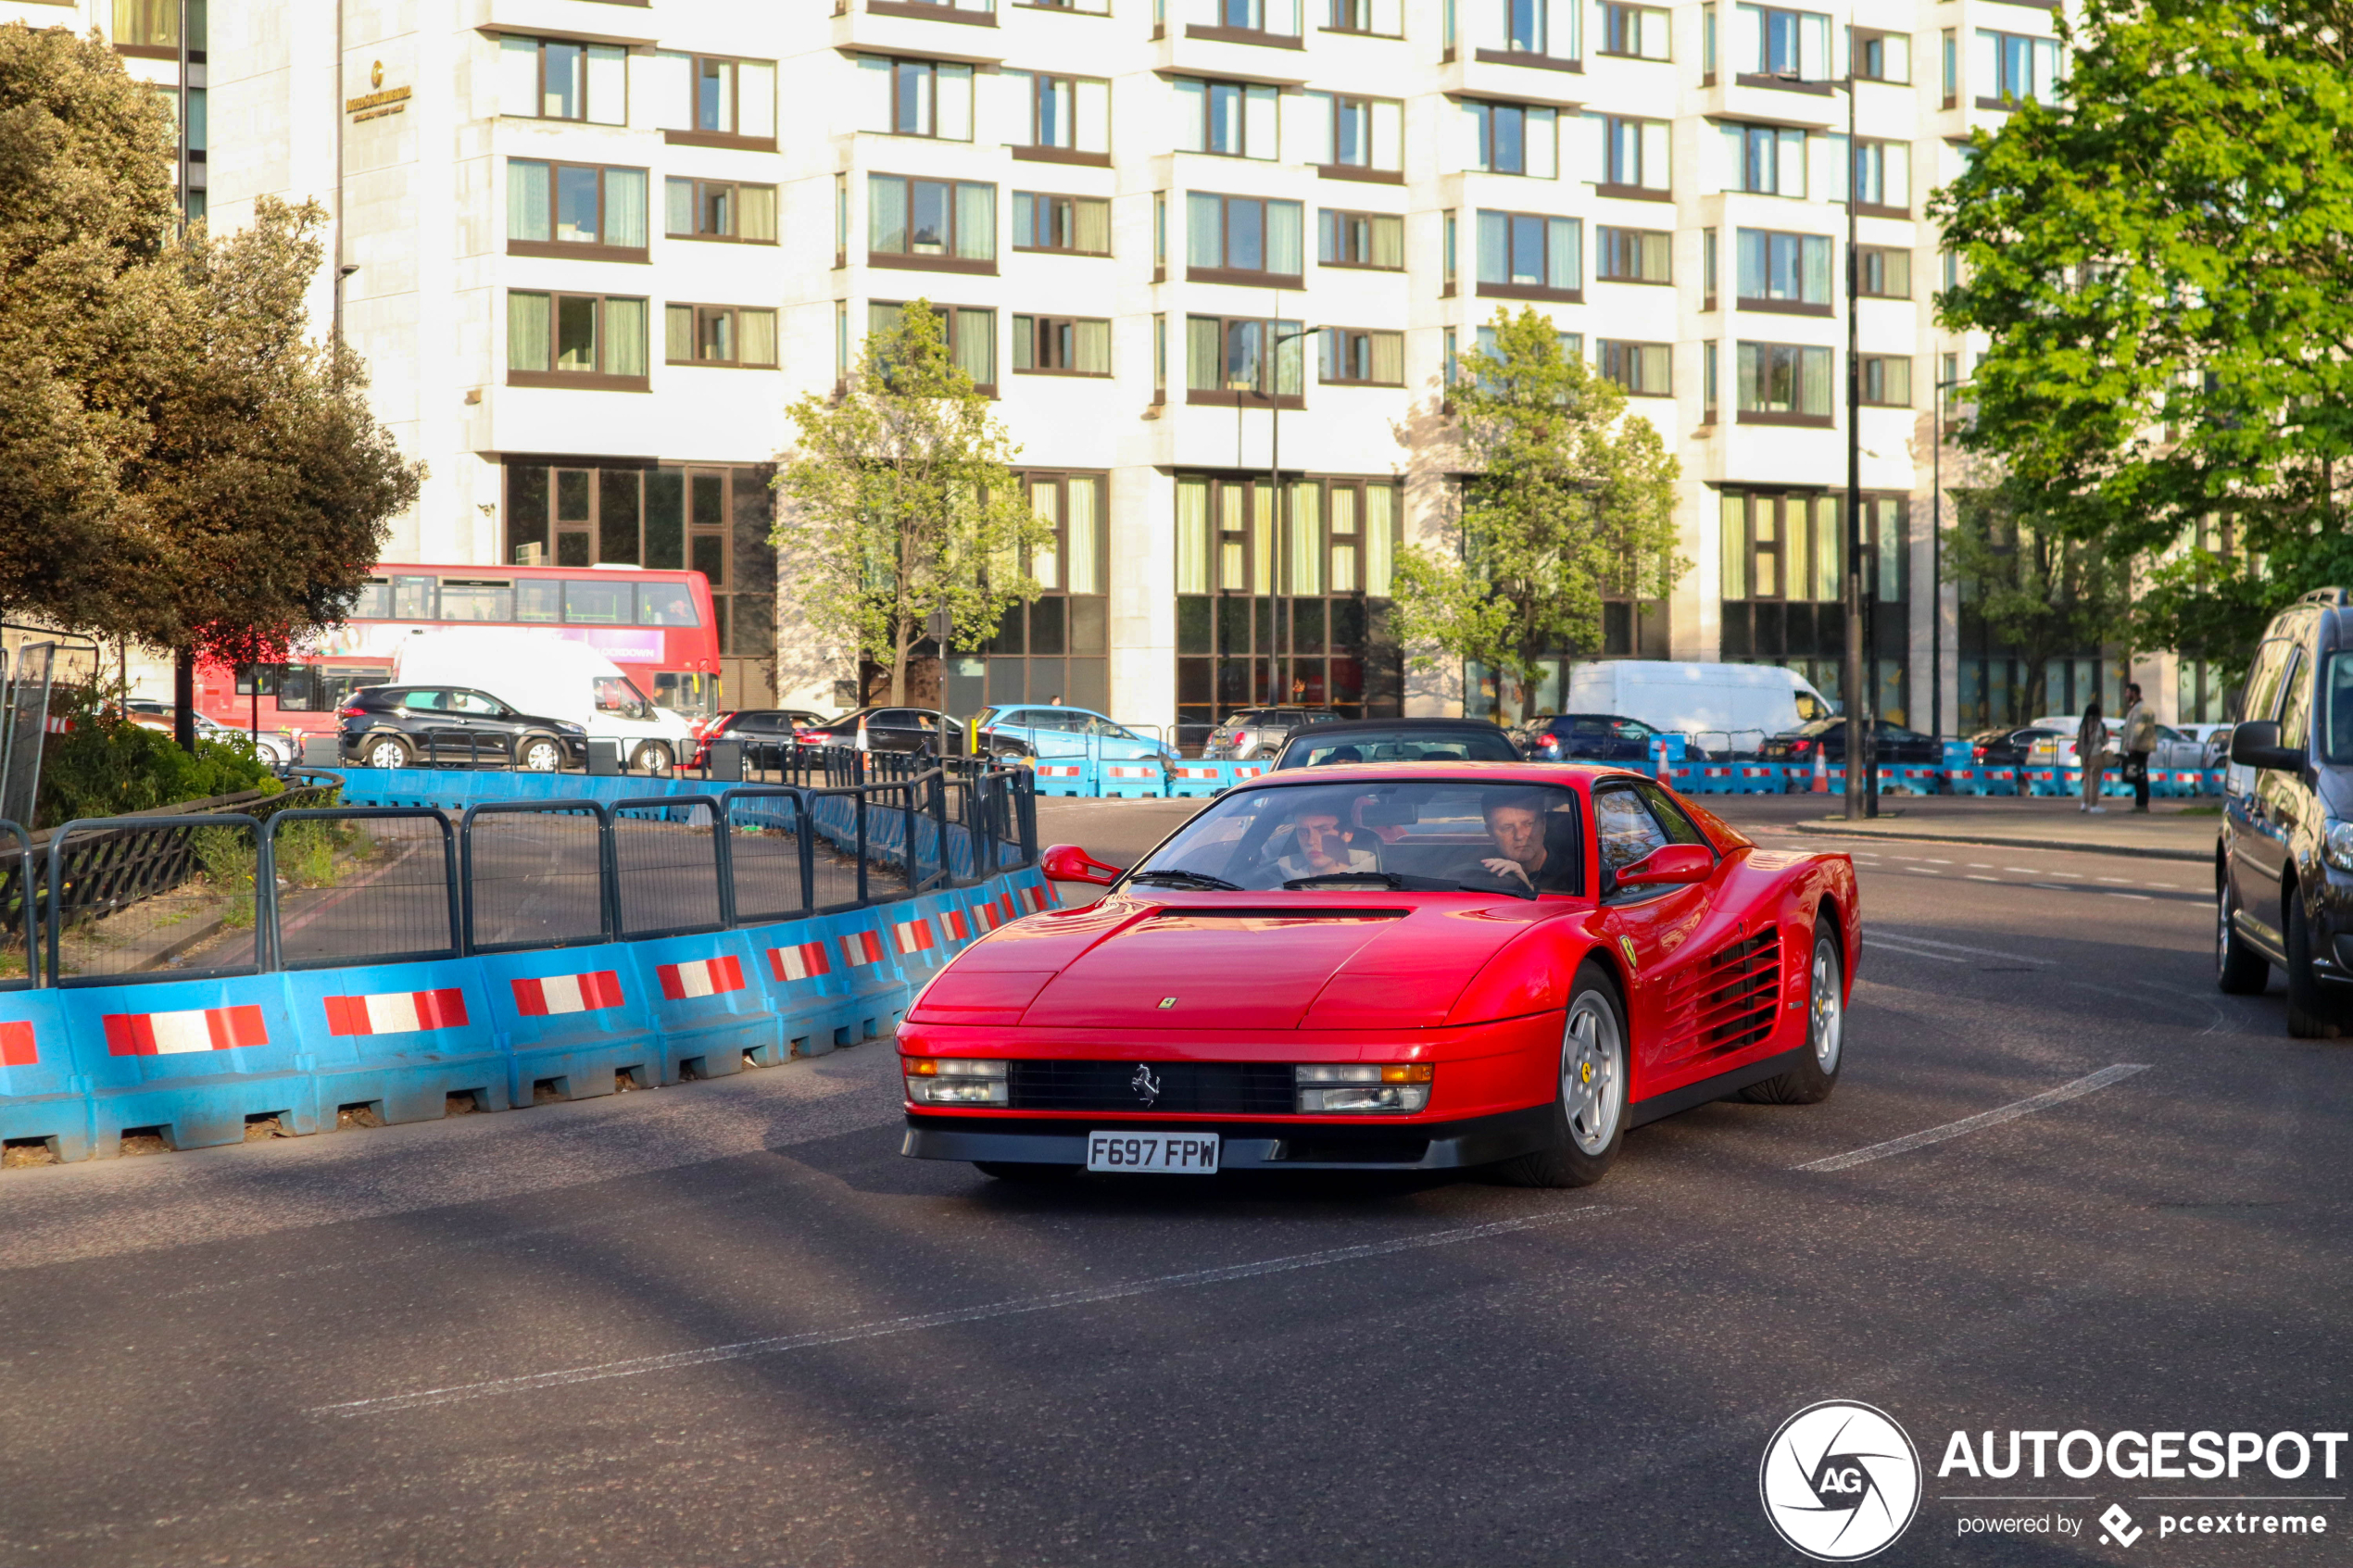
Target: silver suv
[(1260, 732)]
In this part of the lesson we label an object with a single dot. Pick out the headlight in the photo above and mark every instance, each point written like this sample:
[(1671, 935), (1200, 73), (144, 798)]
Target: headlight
[(572, 729), (2337, 847), (1366, 1086), (951, 1080)]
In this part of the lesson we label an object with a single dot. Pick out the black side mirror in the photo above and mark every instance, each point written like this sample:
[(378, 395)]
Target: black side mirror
[(2257, 745)]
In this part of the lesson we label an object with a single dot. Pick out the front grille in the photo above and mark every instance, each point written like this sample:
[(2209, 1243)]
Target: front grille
[(1739, 991), (1221, 1088)]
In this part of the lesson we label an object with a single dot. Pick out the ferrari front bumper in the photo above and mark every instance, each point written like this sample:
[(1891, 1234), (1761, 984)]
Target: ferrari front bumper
[(1248, 1145)]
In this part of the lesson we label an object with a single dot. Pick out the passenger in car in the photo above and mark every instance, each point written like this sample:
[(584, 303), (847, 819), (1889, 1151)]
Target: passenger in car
[(1532, 844), (1320, 848)]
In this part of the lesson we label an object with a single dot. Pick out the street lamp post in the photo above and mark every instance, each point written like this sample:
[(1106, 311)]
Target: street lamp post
[(1936, 565)]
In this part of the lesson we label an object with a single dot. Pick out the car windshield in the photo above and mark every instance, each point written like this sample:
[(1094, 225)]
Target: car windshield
[(1468, 745), (1432, 834)]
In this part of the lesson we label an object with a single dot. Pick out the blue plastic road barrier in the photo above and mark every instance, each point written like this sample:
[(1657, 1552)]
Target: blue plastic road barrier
[(41, 1094), (800, 972), (1066, 778), (399, 1038), (1131, 781), (574, 1019), (863, 951), (708, 1011), (1195, 780), (194, 1059)]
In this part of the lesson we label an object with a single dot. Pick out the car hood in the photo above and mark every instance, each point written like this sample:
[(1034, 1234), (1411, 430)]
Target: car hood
[(1129, 963)]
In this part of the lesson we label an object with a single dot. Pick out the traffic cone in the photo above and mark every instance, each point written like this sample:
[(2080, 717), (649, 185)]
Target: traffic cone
[(1821, 772), (862, 744)]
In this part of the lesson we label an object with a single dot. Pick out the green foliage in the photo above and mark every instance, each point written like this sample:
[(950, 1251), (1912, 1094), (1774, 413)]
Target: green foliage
[(104, 767), (902, 504), (2041, 593), (228, 858), (1567, 500), (2161, 264)]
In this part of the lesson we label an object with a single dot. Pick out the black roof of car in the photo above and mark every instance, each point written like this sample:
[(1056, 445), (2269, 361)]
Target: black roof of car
[(1361, 726)]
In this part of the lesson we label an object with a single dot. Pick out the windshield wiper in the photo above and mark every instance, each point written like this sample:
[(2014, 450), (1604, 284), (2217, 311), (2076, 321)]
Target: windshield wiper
[(1336, 879), (1188, 879)]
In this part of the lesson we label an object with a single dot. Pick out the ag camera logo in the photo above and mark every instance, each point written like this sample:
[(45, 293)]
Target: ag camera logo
[(1840, 1481)]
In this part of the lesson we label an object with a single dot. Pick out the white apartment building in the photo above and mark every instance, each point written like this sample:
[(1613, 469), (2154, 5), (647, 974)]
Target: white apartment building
[(592, 248)]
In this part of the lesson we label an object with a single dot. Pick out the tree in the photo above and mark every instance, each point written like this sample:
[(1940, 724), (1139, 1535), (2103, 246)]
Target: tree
[(903, 506), (2042, 593), (2160, 262), (1566, 500)]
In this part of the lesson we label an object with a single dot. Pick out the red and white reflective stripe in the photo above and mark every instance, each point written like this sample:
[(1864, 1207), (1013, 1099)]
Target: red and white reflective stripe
[(566, 993), (396, 1013), (1213, 771), (958, 927), (58, 727), (18, 1048), (171, 1033), (702, 977), (1053, 771), (1037, 898), (805, 961), (997, 911), (911, 935), (1118, 771), (862, 947)]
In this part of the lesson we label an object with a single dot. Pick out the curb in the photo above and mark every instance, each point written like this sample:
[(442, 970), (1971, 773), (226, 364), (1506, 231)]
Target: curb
[(2010, 841)]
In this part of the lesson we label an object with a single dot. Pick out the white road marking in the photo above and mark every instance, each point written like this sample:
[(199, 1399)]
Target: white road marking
[(1981, 879), (1922, 871), (2169, 886), (880, 1328), (2052, 886), (1912, 952), (1960, 947), (2077, 875), (2114, 894), (1902, 856), (1979, 866), (2112, 879), (2024, 870), (1983, 1119), (1935, 861)]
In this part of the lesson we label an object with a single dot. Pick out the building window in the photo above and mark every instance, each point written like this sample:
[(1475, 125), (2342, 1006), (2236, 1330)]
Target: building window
[(1772, 42), (1529, 256), (1767, 160), (575, 210), (721, 210), (1365, 137), (841, 219), (946, 225), (1707, 381), (1785, 272), (1886, 273), (1634, 156), (1707, 268), (1363, 239), (1062, 346), (733, 97), (1951, 67), (1883, 56), (148, 24), (2016, 68), (1887, 381), (1525, 32), (1056, 648), (575, 340), (1571, 345), (1789, 548), (1072, 225), (1273, 21), (720, 335), (1228, 360), (970, 333), (1159, 235), (1707, 47), (549, 79), (1783, 383), (1644, 369), (1633, 256), (1883, 175), (1230, 118), (1448, 240), (1514, 139), (1382, 18), (926, 98), (1062, 114), (1160, 358), (1242, 239), (1637, 32), (1357, 357)]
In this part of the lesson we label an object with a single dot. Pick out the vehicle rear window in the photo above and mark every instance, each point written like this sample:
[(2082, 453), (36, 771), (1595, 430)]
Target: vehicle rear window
[(1401, 745)]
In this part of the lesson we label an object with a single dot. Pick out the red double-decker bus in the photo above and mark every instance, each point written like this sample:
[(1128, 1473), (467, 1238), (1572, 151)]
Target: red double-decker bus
[(657, 626)]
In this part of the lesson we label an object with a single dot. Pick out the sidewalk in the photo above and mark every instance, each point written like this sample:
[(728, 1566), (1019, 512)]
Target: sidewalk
[(2168, 833)]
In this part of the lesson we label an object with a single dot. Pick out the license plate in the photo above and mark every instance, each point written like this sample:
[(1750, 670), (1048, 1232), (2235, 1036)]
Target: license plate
[(1177, 1154)]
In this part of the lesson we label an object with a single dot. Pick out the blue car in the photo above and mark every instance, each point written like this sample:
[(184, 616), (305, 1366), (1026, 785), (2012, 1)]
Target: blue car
[(1052, 731)]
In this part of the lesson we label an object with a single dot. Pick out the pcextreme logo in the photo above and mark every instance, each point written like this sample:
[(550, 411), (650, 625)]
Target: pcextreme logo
[(1840, 1481)]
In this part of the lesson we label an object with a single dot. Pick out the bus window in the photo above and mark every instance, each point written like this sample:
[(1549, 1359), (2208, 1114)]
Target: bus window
[(412, 598), (666, 603), (468, 599), (374, 602), (680, 691), (264, 675), (620, 695), (539, 601), (590, 601)]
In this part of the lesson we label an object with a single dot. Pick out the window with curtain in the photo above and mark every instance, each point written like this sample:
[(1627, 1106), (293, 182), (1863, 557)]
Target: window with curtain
[(1780, 45), (1513, 138), (557, 205), (1362, 356), (1633, 256), (1887, 379), (2011, 67), (720, 335), (1635, 156), (1883, 174), (1346, 133), (942, 224), (553, 78), (1780, 382), (1644, 369), (719, 209), (1192, 537), (1883, 56), (1531, 255), (149, 24), (1232, 360), (1361, 239), (1790, 274), (1635, 33), (1242, 235), (595, 340), (1230, 118), (1765, 160), (1886, 273), (731, 98), (1071, 225), (1062, 345), (1062, 114), (931, 98), (970, 333)]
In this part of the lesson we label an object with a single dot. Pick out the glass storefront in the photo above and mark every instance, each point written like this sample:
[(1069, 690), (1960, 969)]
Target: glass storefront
[(1058, 645), (1783, 574)]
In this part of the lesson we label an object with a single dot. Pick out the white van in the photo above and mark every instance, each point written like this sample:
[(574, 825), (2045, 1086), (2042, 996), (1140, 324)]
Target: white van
[(554, 679), (1722, 708)]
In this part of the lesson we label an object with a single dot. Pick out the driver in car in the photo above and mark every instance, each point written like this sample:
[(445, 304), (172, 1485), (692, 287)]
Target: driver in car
[(1320, 848), (1526, 836)]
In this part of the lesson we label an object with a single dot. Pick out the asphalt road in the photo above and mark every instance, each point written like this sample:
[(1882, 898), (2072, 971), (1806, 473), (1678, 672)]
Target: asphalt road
[(727, 1323)]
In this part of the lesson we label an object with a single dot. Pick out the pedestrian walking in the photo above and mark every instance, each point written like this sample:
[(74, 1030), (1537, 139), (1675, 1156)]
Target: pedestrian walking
[(2139, 739), (2091, 753)]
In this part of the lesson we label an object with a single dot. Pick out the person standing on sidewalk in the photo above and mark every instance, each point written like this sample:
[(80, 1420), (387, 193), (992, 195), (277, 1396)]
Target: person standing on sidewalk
[(2091, 753), (2139, 739)]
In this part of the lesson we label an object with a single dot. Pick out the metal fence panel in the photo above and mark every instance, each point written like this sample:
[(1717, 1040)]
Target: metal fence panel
[(19, 909), (154, 898), (668, 861), (536, 875), (769, 853), (362, 884), (27, 723)]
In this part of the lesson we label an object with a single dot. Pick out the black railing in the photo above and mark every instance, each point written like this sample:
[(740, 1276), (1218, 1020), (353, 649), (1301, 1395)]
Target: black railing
[(385, 884)]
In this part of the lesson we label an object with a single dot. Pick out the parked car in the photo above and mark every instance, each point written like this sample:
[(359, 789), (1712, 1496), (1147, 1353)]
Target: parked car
[(2284, 869), (1260, 732), (763, 730), (1892, 743), (2005, 748), (273, 747), (917, 730), (397, 726), (1588, 737), (1728, 708), (1397, 740), (1489, 1016), (570, 682), (2175, 749), (1051, 730)]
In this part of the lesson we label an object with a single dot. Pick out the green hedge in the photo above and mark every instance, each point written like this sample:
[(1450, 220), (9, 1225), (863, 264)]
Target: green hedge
[(104, 767)]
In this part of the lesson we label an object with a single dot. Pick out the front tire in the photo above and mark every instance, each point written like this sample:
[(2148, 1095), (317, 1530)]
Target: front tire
[(2239, 969), (1589, 1109), (386, 752), (542, 756), (1811, 1081), (2313, 1012), (653, 756)]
